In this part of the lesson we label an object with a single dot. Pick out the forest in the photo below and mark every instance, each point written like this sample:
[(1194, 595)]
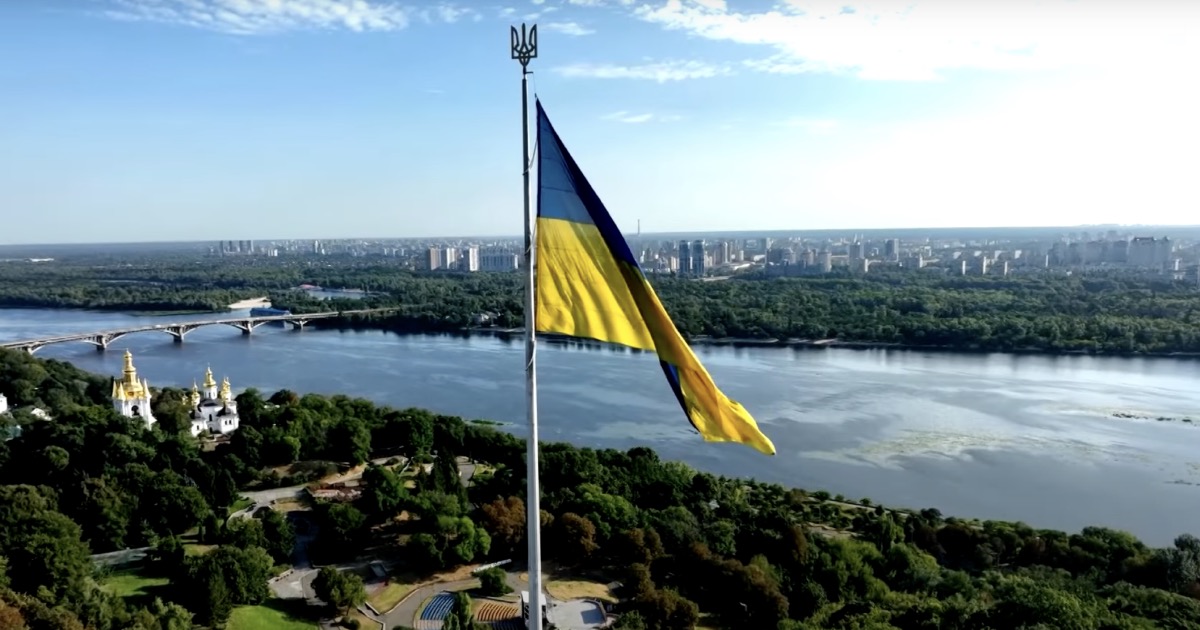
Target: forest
[(687, 547), (1099, 313)]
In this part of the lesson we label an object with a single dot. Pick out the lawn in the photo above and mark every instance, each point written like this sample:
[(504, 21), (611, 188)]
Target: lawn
[(133, 585), (364, 622), (579, 589), (239, 505), (387, 597), (266, 617), (196, 549)]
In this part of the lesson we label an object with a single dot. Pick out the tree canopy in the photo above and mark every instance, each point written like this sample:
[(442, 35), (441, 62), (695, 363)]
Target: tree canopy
[(683, 543)]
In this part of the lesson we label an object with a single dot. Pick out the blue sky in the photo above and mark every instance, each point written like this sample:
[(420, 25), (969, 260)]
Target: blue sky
[(135, 120)]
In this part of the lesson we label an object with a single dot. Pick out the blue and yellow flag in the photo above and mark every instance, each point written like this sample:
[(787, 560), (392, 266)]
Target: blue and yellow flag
[(589, 285)]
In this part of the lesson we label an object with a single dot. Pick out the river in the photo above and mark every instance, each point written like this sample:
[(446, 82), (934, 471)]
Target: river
[(1015, 437)]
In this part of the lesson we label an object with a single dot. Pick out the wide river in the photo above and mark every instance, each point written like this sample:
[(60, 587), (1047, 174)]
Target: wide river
[(1030, 438)]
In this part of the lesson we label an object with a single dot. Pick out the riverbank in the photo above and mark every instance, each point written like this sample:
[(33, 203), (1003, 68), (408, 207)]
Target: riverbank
[(262, 302), (842, 343), (348, 323)]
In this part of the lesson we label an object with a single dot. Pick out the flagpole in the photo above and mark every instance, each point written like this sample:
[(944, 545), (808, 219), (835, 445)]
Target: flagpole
[(524, 49)]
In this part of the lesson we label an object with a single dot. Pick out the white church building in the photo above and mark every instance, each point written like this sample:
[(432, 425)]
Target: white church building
[(130, 396), (215, 410)]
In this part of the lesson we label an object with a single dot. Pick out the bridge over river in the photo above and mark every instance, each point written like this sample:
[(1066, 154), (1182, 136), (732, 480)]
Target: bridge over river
[(178, 330)]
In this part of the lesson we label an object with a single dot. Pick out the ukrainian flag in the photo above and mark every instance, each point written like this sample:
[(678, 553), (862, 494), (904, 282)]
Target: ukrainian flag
[(589, 285)]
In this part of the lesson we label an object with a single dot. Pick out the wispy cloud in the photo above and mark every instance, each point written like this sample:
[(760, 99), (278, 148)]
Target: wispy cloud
[(662, 72), (567, 28), (883, 39), (253, 17), (631, 118)]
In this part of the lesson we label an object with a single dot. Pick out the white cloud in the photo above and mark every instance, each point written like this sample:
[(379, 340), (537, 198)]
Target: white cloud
[(662, 72), (251, 17), (627, 117), (883, 39), (567, 28)]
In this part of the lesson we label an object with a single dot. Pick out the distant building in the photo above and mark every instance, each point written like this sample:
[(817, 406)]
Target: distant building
[(891, 249), (468, 259), (215, 410), (130, 396), (433, 259), (699, 263), (3, 404), (685, 258), (498, 259)]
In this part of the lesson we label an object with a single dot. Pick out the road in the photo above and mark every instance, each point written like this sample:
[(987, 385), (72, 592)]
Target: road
[(272, 495)]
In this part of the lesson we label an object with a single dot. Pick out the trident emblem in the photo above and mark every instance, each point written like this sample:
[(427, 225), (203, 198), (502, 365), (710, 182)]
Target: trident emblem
[(524, 44)]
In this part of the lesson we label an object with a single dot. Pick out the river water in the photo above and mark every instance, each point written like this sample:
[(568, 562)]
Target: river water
[(1015, 437)]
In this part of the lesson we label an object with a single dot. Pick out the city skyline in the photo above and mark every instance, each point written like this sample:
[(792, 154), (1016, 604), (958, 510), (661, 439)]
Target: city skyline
[(165, 120)]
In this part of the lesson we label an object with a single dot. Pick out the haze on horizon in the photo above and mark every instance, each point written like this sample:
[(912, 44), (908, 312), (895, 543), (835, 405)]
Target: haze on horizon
[(173, 120)]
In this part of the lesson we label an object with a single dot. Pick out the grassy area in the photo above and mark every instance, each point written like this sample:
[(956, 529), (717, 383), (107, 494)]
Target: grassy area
[(269, 616), (387, 597), (134, 586), (364, 622), (579, 589), (239, 505), (196, 549), (707, 622)]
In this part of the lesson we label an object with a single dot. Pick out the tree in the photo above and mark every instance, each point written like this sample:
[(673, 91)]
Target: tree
[(577, 537), (505, 519), (341, 590), (280, 537), (43, 542), (163, 616), (385, 491), (493, 582)]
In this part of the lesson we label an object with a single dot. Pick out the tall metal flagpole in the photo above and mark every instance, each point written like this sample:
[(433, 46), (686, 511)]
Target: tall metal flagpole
[(524, 49)]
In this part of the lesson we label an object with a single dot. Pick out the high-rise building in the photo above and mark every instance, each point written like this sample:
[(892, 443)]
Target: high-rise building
[(891, 249), (498, 259), (468, 259), (722, 254), (685, 258), (699, 264)]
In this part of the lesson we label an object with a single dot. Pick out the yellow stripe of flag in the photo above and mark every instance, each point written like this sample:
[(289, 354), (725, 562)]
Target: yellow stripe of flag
[(589, 285)]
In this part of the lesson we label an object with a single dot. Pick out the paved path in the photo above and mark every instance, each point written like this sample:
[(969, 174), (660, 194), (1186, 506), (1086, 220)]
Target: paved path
[(267, 497), (121, 557), (405, 614)]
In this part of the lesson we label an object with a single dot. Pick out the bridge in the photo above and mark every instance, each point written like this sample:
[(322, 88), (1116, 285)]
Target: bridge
[(179, 330)]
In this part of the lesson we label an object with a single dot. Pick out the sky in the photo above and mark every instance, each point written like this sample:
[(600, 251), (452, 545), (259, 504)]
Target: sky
[(157, 120)]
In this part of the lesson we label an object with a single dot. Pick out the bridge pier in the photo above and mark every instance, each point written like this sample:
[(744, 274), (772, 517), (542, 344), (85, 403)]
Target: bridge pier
[(178, 332), (247, 326), (101, 341), (298, 324)]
